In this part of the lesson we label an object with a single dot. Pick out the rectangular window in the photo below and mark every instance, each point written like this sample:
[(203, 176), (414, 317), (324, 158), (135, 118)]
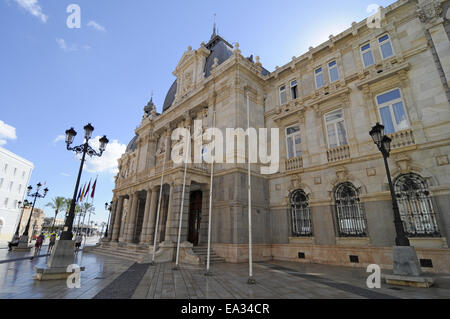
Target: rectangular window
[(385, 46), (5, 203), (293, 142), (15, 171), (336, 132), (5, 167), (19, 188), (23, 174), (319, 78), (1, 182), (367, 55), (294, 90), (333, 71), (282, 95), (392, 111), (10, 186)]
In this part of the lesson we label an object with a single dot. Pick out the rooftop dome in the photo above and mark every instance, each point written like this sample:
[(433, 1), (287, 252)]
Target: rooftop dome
[(132, 146)]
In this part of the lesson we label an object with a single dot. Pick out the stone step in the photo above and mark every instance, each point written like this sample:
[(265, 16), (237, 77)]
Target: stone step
[(127, 257)]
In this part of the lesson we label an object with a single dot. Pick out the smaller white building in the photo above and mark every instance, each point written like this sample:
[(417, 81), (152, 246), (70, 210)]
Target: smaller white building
[(15, 173)]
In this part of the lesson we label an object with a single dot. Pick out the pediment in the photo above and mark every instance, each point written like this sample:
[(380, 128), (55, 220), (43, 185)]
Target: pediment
[(186, 59)]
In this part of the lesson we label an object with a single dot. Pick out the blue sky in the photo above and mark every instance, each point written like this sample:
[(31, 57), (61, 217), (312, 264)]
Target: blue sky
[(53, 77)]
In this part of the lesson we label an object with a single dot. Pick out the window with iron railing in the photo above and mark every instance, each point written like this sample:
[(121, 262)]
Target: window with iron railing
[(350, 216), (301, 214), (416, 206)]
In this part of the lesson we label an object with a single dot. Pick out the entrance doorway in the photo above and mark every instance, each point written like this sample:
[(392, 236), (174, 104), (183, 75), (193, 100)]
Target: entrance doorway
[(195, 216)]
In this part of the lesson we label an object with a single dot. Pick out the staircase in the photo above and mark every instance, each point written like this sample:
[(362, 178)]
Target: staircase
[(137, 255), (202, 253)]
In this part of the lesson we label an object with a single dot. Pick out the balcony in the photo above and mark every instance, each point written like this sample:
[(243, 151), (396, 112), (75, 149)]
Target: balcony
[(293, 164), (402, 138), (339, 153)]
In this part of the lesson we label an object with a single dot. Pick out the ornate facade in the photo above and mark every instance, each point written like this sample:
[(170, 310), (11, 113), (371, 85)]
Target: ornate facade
[(330, 200)]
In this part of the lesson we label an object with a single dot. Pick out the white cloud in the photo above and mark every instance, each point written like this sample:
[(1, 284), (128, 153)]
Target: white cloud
[(72, 47), (59, 138), (97, 26), (108, 161), (33, 7), (65, 174), (7, 132)]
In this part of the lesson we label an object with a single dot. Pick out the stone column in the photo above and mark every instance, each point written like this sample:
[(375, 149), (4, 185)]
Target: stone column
[(145, 229), (117, 218), (169, 220), (131, 220), (124, 219), (149, 236), (173, 224), (111, 219)]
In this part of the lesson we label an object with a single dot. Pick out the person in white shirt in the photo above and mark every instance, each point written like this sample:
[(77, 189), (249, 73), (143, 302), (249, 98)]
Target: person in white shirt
[(78, 241)]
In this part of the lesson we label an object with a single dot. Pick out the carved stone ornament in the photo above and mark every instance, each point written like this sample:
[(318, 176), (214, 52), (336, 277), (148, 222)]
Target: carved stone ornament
[(403, 163), (429, 11)]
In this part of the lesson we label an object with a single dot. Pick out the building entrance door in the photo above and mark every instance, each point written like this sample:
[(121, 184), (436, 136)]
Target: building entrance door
[(195, 215)]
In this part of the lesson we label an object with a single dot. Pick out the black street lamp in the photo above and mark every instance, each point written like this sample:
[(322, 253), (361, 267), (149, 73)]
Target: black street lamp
[(80, 149), (383, 143), (20, 205), (108, 208), (36, 195)]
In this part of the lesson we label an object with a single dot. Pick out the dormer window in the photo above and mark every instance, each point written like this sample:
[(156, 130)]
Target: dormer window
[(294, 90), (319, 78), (282, 94), (385, 46)]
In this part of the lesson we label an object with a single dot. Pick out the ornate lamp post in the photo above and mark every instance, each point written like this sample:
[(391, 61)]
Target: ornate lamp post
[(80, 149), (108, 208), (406, 267), (20, 205), (23, 242), (383, 143)]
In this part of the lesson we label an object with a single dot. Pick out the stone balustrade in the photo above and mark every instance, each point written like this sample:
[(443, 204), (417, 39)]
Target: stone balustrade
[(339, 153), (402, 138), (294, 163)]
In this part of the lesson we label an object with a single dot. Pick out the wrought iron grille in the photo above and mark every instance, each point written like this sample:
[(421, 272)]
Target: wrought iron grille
[(416, 207), (301, 214), (350, 217)]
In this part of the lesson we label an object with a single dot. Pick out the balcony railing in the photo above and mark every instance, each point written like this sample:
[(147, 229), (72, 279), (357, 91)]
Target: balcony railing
[(402, 138), (338, 153), (294, 163)]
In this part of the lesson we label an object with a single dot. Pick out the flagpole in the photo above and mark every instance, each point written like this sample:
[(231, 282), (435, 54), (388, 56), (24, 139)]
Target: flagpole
[(250, 259), (208, 256), (159, 201), (182, 199)]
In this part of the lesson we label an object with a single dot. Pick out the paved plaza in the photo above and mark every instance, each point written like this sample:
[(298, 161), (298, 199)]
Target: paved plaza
[(111, 278)]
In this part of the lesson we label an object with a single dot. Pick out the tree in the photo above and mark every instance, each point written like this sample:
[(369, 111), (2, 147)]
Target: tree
[(58, 204)]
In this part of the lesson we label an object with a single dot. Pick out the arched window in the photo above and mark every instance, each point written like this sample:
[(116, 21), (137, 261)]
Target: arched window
[(350, 215), (415, 206), (301, 214)]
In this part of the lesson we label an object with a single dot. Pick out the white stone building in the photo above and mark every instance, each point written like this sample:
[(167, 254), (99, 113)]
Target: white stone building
[(330, 201), (15, 173)]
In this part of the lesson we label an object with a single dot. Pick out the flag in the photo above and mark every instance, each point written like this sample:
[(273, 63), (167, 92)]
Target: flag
[(79, 195), (82, 192), (93, 187), (87, 189)]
